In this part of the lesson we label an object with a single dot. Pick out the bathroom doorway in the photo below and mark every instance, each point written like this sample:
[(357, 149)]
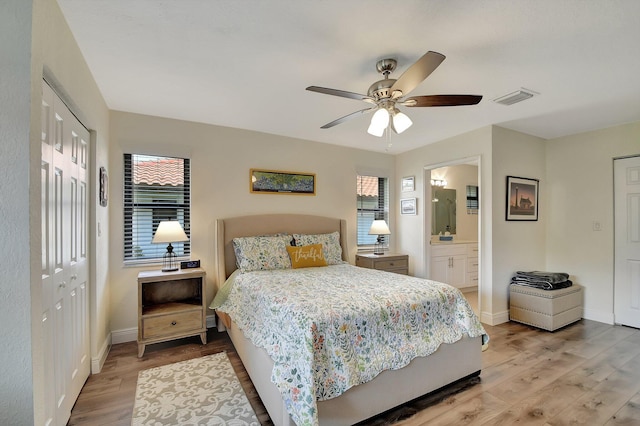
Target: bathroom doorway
[(452, 211)]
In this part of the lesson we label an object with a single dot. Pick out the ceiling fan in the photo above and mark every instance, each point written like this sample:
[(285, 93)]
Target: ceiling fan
[(385, 95)]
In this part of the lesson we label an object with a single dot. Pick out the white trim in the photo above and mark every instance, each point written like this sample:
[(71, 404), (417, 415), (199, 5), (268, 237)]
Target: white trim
[(211, 321), (124, 335), (97, 362), (595, 315), (494, 319)]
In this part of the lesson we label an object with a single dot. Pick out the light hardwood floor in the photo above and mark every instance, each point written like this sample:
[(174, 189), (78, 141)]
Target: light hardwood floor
[(586, 373)]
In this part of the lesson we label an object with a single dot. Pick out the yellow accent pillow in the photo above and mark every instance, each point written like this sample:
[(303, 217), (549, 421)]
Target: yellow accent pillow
[(306, 256)]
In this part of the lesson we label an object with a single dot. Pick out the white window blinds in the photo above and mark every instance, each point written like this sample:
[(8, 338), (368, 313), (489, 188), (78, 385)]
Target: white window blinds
[(372, 204), (155, 189)]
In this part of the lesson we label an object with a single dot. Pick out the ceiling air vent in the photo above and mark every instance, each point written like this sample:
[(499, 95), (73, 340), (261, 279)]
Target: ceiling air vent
[(515, 97)]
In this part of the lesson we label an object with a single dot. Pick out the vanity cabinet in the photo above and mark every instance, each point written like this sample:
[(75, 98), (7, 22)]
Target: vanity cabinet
[(455, 264), (472, 265)]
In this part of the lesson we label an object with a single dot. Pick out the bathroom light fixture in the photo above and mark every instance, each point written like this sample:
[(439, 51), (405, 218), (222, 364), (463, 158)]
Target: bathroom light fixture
[(439, 182), (379, 228)]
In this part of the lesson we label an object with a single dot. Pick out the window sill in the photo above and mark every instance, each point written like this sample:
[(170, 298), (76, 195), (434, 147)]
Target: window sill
[(150, 262)]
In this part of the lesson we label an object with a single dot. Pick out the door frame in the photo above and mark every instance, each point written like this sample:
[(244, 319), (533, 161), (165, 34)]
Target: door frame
[(615, 234), (427, 209)]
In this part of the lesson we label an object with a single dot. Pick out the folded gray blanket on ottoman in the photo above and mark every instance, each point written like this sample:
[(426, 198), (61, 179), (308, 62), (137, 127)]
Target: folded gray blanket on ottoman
[(542, 280)]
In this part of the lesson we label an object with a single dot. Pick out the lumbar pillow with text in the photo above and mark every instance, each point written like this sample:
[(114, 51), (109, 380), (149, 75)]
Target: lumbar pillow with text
[(306, 256)]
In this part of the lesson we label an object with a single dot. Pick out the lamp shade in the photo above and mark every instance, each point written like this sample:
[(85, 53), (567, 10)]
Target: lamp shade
[(379, 122), (401, 122), (379, 227), (169, 231)]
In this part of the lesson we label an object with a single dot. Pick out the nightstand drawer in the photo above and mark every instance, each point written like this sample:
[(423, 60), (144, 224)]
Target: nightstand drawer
[(388, 265), (171, 324)]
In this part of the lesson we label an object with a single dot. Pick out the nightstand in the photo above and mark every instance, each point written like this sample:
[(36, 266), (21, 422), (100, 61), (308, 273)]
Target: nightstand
[(171, 305), (390, 262)]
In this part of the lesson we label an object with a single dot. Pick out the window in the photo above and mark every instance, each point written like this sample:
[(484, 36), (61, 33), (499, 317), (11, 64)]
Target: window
[(155, 189), (373, 203), (473, 199)]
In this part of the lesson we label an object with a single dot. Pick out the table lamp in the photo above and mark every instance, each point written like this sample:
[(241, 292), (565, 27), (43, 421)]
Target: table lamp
[(169, 231), (379, 228)]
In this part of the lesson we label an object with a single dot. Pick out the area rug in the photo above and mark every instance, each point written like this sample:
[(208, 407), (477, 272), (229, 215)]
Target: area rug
[(200, 391)]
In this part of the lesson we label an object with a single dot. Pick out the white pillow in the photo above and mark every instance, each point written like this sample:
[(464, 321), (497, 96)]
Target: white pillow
[(330, 245), (262, 252)]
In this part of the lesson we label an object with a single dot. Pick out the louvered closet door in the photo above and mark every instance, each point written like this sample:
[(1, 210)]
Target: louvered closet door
[(65, 315)]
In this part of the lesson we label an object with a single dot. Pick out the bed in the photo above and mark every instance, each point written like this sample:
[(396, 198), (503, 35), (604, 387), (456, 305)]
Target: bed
[(387, 389)]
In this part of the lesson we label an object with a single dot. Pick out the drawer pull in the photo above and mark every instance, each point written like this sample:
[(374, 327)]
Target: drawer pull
[(391, 264), (173, 323)]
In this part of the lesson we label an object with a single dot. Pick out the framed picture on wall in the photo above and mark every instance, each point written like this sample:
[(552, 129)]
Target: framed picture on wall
[(279, 182), (408, 184), (522, 198), (104, 187), (408, 206)]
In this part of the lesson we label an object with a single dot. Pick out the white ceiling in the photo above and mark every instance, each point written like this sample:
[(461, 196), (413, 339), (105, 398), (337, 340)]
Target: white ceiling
[(246, 63)]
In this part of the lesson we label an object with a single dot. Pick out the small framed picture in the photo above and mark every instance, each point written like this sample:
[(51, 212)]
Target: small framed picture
[(408, 206), (522, 198), (104, 187), (408, 184)]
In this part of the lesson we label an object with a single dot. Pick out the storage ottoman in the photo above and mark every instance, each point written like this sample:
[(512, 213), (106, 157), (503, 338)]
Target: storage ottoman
[(546, 309)]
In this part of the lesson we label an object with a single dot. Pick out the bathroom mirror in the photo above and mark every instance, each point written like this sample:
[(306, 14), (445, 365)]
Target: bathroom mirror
[(443, 213)]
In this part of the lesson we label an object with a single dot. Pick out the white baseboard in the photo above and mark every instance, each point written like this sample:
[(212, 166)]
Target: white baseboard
[(494, 319), (124, 335), (98, 361), (211, 321), (595, 315)]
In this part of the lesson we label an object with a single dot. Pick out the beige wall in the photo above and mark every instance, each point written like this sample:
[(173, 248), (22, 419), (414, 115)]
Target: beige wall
[(221, 158), (16, 399), (53, 53), (517, 246), (499, 152), (579, 185), (414, 231), (58, 58)]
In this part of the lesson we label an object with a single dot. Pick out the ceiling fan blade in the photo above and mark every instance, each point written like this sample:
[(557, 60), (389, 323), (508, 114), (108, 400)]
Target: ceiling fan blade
[(347, 117), (441, 100), (417, 72), (341, 93)]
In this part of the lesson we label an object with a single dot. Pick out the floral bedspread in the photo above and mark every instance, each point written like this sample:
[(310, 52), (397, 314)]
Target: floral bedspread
[(330, 328)]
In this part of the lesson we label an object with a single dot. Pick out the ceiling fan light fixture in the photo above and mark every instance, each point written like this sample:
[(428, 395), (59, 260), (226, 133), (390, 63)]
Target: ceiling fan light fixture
[(379, 122), (401, 121)]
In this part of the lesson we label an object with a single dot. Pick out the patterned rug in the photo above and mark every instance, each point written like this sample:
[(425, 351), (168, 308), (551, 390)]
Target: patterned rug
[(201, 391)]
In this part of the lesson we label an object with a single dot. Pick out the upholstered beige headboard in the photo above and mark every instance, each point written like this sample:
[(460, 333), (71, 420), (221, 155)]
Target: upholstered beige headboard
[(246, 226)]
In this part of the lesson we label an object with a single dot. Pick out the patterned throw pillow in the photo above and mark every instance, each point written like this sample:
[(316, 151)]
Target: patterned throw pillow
[(262, 253), (306, 256), (330, 245)]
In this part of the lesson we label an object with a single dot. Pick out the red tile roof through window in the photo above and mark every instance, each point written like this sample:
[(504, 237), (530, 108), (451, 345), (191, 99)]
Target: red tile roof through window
[(367, 186), (166, 171)]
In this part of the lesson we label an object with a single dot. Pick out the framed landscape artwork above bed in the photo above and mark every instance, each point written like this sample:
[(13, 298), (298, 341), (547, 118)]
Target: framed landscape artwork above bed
[(279, 182)]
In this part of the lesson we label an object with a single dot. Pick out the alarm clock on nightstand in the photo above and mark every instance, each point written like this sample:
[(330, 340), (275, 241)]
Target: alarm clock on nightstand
[(190, 264)]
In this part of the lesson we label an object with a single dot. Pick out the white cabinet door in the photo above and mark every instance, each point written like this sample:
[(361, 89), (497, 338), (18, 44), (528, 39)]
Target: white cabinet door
[(440, 269), (458, 271), (449, 264)]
